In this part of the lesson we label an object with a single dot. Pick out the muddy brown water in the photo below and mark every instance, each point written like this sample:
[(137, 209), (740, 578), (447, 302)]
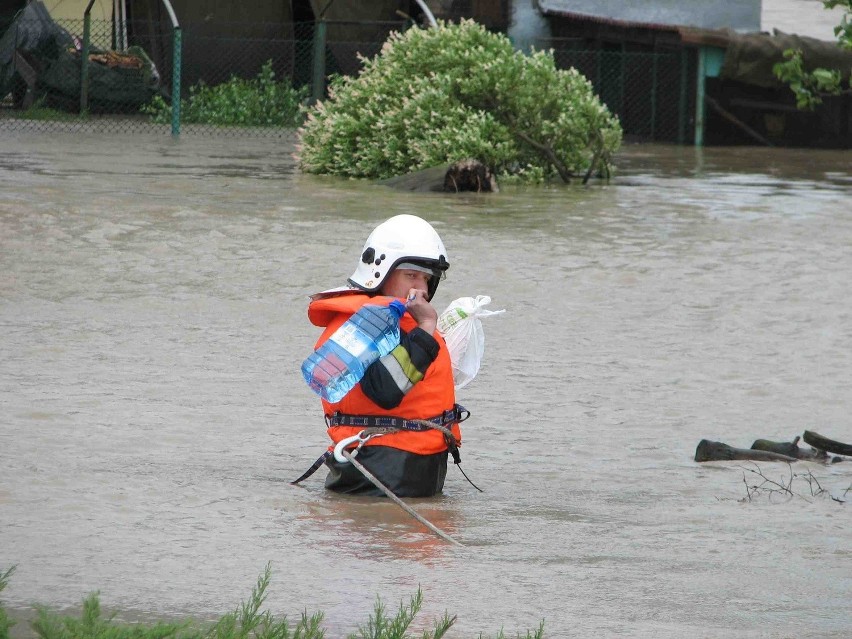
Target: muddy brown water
[(152, 304)]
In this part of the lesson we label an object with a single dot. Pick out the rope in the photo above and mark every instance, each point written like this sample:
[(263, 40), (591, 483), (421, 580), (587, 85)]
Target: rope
[(397, 500), (447, 432), (448, 435)]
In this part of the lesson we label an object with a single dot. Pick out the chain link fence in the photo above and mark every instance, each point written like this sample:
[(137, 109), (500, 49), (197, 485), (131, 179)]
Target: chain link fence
[(653, 93), (252, 79)]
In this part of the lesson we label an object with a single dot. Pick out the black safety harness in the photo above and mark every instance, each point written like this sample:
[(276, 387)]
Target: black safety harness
[(385, 425)]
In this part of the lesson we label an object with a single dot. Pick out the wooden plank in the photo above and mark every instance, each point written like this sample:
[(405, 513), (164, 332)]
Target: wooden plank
[(29, 75)]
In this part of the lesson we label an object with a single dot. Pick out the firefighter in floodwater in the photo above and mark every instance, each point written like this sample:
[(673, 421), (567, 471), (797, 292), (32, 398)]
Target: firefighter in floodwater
[(403, 258)]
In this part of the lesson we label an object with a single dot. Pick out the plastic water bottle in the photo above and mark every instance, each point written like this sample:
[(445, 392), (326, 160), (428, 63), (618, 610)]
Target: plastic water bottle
[(339, 363)]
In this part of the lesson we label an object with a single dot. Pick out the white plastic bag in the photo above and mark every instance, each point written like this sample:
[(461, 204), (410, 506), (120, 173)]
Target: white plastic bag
[(461, 329)]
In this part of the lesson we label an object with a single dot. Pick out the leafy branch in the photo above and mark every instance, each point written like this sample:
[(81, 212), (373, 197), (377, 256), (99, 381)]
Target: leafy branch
[(811, 86)]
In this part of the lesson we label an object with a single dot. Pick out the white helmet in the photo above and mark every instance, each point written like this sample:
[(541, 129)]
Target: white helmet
[(402, 239)]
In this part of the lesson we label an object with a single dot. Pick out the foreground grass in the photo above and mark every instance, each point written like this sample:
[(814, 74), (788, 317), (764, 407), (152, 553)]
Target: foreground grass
[(5, 622), (246, 621)]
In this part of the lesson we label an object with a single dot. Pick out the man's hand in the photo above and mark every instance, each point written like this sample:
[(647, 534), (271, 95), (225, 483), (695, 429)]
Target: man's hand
[(421, 310)]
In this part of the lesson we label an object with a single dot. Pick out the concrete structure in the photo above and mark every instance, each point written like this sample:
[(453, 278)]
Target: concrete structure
[(739, 15), (803, 17), (73, 9)]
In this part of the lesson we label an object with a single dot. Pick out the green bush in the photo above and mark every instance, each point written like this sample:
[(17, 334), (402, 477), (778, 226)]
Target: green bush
[(260, 101), (453, 92)]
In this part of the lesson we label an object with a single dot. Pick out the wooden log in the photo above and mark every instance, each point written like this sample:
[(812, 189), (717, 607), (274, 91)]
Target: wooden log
[(824, 443), (718, 451), (735, 120), (791, 449), (424, 180), (466, 175)]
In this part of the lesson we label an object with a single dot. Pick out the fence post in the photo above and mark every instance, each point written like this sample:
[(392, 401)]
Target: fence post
[(84, 59), (699, 98), (176, 44), (682, 100), (623, 61), (654, 73), (318, 81), (176, 61)]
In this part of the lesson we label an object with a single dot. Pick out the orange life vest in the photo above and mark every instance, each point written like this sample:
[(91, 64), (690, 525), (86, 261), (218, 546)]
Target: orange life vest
[(429, 398)]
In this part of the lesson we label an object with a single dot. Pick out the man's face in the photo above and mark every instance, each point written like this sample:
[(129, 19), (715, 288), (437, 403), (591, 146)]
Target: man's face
[(401, 280)]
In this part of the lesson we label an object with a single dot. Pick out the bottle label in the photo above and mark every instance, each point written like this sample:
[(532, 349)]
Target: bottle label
[(347, 338)]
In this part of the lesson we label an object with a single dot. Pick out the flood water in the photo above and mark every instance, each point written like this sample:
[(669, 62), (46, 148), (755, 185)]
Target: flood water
[(153, 308)]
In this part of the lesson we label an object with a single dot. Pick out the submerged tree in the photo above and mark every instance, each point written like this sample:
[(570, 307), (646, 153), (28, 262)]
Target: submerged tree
[(453, 92)]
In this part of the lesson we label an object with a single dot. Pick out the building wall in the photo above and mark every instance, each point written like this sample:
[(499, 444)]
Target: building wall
[(802, 17), (73, 9)]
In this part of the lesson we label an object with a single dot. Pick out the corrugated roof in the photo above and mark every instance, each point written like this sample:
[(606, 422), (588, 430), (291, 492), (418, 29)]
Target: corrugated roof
[(739, 15)]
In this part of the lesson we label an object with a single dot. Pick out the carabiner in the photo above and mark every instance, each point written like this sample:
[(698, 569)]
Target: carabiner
[(345, 443)]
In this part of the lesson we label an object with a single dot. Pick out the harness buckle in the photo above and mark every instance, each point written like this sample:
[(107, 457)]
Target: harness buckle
[(456, 415), (331, 419)]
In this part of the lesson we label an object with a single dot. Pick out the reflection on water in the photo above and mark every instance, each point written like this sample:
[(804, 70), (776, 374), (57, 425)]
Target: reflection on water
[(383, 529), (153, 297)]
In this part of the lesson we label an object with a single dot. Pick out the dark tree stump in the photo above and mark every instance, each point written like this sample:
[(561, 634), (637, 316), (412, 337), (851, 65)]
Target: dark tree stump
[(469, 175), (717, 451)]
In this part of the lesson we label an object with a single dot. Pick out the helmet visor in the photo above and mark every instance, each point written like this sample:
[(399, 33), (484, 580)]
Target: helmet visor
[(411, 266)]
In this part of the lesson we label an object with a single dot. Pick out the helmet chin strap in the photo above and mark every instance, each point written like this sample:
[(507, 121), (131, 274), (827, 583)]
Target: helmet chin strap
[(432, 287)]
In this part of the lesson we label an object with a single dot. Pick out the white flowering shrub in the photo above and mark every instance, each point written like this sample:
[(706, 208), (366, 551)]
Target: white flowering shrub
[(453, 92)]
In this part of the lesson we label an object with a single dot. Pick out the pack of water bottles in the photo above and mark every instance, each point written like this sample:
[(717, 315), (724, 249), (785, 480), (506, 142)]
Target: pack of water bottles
[(339, 363)]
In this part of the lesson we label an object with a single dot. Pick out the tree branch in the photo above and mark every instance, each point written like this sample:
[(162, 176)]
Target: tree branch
[(549, 153)]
